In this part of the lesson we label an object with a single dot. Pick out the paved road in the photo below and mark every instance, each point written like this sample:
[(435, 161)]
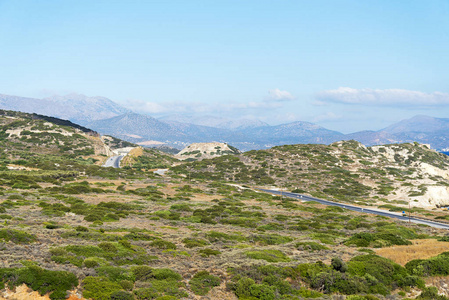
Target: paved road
[(359, 209), (113, 161)]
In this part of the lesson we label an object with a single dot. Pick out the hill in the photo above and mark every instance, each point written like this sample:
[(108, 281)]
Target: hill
[(71, 227), (149, 131), (343, 171), (422, 129), (37, 142), (199, 151), (137, 128), (214, 121)]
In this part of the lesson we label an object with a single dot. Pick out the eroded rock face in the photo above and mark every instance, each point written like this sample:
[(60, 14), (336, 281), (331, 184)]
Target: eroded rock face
[(199, 151), (23, 292)]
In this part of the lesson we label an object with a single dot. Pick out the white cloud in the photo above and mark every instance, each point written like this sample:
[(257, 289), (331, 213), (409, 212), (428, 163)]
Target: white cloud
[(173, 107), (387, 97), (278, 95), (329, 116), (274, 101), (140, 106)]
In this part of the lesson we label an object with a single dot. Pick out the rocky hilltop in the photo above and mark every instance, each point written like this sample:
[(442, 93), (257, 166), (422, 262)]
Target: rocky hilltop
[(199, 151)]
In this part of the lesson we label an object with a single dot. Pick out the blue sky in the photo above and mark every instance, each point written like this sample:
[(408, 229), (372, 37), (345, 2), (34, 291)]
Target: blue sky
[(346, 65)]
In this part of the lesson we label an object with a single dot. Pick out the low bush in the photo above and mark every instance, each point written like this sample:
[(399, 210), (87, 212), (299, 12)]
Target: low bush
[(161, 244), (208, 252), (142, 273), (122, 295), (311, 246), (376, 240), (434, 266), (57, 283), (165, 273), (270, 239), (192, 242), (99, 288), (215, 236), (115, 253), (116, 274), (16, 236), (202, 282), (268, 255)]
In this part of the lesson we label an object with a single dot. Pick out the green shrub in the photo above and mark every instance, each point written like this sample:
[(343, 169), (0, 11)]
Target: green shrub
[(377, 240), (208, 252), (76, 254), (339, 265), (431, 293), (161, 244), (268, 255), (271, 226), (125, 244), (90, 263), (215, 236), (115, 274), (434, 266), (167, 297), (165, 273), (99, 288), (108, 247), (126, 284), (139, 236), (146, 293), (271, 239), (242, 287), (16, 236), (311, 246), (246, 288), (44, 281), (202, 282), (381, 269), (192, 242), (142, 273), (122, 295), (262, 291)]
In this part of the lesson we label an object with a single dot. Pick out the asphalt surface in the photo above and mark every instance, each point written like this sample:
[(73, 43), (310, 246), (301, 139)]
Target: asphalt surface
[(113, 161), (359, 209)]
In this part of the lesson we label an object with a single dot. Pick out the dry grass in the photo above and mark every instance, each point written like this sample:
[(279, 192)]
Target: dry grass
[(421, 249)]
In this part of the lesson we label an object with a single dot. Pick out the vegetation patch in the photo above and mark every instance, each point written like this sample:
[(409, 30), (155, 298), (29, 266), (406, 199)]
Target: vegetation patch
[(57, 283), (16, 236), (268, 255), (202, 282), (116, 253)]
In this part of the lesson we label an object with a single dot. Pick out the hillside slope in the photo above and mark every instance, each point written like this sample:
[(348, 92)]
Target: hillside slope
[(345, 171), (37, 142)]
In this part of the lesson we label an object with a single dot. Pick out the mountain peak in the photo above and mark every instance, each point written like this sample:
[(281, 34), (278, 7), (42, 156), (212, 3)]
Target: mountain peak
[(418, 123)]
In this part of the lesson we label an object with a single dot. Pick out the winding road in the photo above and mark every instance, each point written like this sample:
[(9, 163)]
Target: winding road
[(360, 209), (113, 161)]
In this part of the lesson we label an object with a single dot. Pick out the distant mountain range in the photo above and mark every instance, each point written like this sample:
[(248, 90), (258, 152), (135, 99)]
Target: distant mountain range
[(213, 121), (74, 107), (107, 117)]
